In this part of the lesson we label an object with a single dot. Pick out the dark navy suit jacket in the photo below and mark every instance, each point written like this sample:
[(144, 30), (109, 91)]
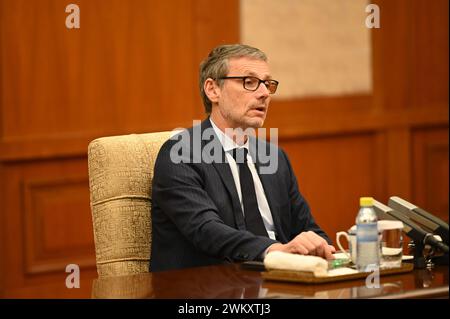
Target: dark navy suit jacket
[(196, 215)]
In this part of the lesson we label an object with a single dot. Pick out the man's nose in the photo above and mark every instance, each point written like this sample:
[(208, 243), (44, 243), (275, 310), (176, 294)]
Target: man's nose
[(262, 91)]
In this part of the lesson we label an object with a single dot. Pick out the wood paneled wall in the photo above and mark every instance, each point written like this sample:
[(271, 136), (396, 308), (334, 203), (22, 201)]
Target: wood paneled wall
[(391, 142), (132, 67)]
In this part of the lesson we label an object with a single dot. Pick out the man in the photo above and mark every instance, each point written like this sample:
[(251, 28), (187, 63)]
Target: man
[(212, 204)]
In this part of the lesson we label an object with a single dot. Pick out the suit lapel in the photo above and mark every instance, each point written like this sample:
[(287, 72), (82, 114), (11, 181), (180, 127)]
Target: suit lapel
[(223, 169)]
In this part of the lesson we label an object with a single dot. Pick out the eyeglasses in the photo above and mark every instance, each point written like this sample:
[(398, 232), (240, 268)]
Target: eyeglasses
[(251, 83)]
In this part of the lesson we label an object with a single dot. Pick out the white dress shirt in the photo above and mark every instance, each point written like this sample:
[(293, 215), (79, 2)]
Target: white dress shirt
[(228, 145)]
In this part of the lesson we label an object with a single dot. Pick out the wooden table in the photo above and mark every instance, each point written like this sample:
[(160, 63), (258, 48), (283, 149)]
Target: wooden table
[(233, 282)]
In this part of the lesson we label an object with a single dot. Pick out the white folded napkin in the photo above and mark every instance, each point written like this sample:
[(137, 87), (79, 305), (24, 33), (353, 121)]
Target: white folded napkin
[(285, 261)]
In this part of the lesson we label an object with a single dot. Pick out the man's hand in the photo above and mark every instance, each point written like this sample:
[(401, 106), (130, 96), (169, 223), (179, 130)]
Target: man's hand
[(306, 243)]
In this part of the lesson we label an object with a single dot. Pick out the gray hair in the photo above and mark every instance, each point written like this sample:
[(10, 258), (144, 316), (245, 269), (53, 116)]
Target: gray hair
[(216, 65)]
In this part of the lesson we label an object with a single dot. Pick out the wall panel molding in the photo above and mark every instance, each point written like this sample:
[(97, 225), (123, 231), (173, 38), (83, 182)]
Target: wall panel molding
[(319, 117), (315, 117), (333, 172), (55, 220), (430, 171)]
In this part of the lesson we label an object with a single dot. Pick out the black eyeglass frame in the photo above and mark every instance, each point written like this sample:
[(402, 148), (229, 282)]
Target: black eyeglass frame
[(243, 78)]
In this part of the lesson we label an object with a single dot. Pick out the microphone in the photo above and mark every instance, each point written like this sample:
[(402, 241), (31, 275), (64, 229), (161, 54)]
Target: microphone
[(412, 230), (383, 211), (434, 224)]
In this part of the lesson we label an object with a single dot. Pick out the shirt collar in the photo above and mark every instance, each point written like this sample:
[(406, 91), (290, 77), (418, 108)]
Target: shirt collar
[(227, 143)]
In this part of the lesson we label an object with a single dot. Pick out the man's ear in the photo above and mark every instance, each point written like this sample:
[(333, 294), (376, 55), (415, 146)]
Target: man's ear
[(212, 90)]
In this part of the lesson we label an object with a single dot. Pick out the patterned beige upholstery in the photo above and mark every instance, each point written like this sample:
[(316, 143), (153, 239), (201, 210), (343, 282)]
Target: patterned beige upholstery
[(120, 175)]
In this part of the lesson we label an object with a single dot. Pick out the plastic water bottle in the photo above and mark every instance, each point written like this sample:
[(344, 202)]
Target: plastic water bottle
[(367, 251)]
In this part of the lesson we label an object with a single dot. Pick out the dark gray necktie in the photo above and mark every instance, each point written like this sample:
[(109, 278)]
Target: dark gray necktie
[(253, 220)]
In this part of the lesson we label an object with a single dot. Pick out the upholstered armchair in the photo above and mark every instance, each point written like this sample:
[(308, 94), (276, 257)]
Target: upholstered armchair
[(120, 181)]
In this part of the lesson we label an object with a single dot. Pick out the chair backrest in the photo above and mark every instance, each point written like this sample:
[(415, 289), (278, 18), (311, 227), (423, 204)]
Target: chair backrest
[(120, 181)]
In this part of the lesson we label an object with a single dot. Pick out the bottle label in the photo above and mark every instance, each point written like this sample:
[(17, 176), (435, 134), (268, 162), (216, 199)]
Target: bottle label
[(367, 251), (367, 232)]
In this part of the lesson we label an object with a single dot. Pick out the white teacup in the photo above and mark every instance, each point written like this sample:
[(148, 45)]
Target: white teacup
[(351, 239), (391, 243)]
